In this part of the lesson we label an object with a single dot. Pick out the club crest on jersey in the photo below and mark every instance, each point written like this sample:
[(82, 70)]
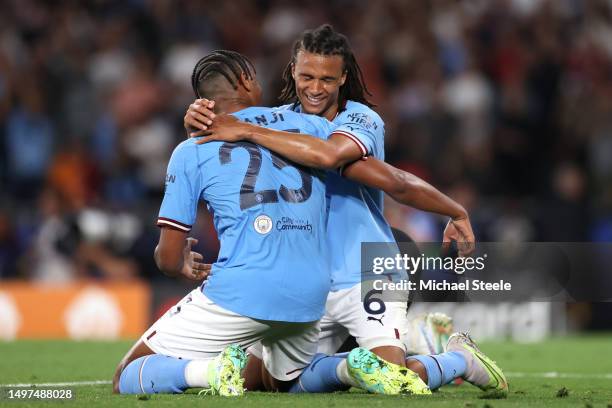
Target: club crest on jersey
[(263, 224)]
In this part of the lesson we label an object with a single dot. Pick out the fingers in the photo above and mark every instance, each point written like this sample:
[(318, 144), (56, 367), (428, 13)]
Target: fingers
[(191, 242), (199, 115), (448, 232), (206, 267), (446, 247), (200, 271), (203, 107), (205, 139), (446, 243), (465, 248), (448, 236), (461, 249), (459, 231), (204, 102), (200, 133), (466, 240), (210, 104), (197, 120)]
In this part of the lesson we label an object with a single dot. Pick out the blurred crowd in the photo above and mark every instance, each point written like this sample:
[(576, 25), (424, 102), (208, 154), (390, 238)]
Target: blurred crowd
[(504, 104)]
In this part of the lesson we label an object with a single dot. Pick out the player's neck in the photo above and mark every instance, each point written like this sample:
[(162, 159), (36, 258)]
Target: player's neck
[(231, 105), (331, 113)]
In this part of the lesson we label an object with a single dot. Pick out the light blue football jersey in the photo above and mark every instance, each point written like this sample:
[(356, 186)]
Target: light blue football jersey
[(352, 206), (270, 215)]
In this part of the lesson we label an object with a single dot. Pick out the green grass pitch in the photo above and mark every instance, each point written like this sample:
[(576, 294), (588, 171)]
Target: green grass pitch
[(583, 366)]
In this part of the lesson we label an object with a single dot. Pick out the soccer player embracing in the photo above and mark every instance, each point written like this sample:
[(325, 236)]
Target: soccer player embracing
[(324, 79), (269, 284)]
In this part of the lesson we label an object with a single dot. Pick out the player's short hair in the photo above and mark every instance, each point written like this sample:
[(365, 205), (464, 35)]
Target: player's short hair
[(324, 40), (217, 65)]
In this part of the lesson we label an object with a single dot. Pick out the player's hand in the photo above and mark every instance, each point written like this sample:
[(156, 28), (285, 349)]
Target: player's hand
[(460, 230), (193, 269), (226, 129), (199, 117)]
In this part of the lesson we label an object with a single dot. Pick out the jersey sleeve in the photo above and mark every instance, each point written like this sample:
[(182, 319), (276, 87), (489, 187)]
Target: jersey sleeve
[(364, 127), (180, 203)]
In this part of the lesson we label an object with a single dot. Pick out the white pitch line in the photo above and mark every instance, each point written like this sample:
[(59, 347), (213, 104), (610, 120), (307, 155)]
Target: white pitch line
[(59, 384)]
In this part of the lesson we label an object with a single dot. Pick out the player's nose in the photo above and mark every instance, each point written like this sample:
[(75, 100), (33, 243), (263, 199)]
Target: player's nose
[(316, 87)]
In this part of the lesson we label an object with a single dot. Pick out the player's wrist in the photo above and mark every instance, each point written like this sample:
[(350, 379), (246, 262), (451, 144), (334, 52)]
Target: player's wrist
[(460, 214), (249, 132)]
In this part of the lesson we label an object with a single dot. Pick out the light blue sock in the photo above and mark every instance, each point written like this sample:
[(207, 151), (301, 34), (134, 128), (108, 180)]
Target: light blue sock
[(320, 376), (442, 368), (154, 374)]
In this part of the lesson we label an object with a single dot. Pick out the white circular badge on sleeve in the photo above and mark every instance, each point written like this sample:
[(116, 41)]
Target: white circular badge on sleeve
[(263, 224)]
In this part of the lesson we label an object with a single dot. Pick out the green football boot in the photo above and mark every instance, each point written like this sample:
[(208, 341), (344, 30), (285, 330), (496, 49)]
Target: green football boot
[(224, 372), (378, 376), (481, 371)]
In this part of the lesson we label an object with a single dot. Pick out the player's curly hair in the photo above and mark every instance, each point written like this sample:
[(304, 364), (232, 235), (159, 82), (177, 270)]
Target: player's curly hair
[(219, 63), (324, 40)]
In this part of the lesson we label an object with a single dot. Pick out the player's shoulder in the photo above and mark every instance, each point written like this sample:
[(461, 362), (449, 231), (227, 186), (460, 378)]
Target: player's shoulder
[(358, 112), (190, 153), (185, 147)]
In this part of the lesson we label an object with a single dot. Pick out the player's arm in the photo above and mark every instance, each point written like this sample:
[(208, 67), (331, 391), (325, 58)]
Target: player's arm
[(174, 257), (408, 189), (303, 149), (169, 251), (178, 211), (403, 187)]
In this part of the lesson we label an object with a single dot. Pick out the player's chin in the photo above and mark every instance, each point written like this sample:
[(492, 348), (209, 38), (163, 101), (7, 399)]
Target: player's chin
[(313, 109)]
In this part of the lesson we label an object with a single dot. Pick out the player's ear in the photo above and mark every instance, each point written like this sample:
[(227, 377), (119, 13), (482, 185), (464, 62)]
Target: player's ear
[(246, 82), (343, 78), (293, 71)]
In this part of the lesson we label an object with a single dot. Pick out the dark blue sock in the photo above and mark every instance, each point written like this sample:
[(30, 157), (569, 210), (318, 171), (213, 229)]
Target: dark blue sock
[(154, 374), (320, 376), (442, 368)]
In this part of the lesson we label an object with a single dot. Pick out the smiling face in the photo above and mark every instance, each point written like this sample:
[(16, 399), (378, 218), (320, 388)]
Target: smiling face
[(318, 79)]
